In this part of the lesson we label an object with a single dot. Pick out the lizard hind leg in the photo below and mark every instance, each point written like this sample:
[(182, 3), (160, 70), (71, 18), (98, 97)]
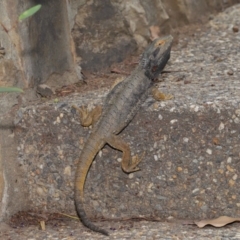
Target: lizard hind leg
[(129, 164), (88, 118)]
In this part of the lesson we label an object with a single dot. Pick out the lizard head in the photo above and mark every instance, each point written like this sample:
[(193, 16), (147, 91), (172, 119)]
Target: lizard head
[(156, 55)]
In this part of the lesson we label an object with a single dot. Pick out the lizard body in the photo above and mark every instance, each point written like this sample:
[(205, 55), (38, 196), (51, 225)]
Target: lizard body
[(121, 104)]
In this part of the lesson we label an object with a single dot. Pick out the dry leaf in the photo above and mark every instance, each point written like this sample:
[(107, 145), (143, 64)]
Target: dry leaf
[(42, 225), (66, 215), (155, 31), (217, 222)]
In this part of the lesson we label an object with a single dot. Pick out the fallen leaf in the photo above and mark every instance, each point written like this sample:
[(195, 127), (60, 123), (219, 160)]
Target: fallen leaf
[(217, 222), (67, 215)]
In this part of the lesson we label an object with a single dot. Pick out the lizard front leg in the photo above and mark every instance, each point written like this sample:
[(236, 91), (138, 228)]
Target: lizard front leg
[(88, 118), (129, 164), (159, 96)]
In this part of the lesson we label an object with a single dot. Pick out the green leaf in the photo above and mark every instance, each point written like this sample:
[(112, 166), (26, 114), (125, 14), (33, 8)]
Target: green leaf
[(29, 12), (10, 89)]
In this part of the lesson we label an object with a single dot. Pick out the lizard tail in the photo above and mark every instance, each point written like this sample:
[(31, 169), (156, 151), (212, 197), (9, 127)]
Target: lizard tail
[(85, 161), (83, 216)]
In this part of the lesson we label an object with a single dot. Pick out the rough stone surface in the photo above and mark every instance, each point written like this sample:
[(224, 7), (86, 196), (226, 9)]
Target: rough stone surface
[(101, 36), (106, 31), (47, 46), (25, 42), (13, 194)]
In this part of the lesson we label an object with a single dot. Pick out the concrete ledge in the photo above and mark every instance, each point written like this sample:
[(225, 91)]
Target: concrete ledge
[(190, 168)]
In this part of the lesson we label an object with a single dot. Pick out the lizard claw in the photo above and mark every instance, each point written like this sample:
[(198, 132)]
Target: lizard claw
[(134, 163)]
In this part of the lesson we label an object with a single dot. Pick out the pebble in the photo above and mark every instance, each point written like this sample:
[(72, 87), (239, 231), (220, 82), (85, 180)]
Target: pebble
[(209, 151), (131, 175), (40, 191), (67, 171), (235, 176), (173, 121), (160, 117), (221, 126), (229, 160)]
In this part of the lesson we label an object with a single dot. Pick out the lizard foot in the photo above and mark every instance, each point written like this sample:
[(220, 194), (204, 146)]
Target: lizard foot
[(159, 96), (134, 164), (129, 163), (88, 118)]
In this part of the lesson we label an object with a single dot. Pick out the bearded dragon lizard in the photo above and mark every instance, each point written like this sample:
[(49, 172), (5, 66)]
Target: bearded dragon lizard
[(121, 105)]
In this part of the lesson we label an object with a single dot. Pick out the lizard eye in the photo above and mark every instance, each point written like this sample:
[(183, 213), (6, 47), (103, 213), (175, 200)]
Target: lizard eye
[(161, 42)]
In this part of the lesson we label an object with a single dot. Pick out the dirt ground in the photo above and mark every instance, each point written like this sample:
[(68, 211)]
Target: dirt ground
[(27, 226)]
